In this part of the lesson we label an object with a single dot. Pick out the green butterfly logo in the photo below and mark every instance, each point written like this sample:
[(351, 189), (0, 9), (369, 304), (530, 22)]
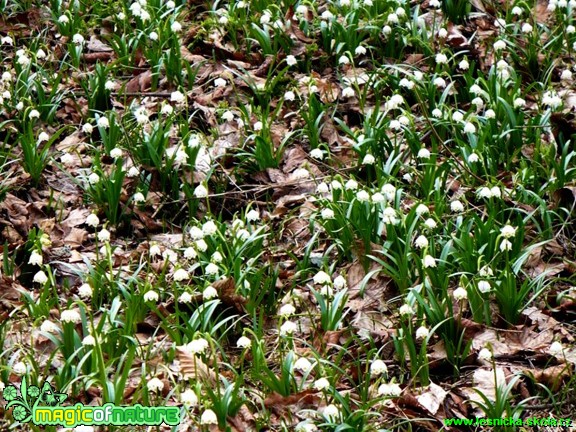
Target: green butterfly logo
[(23, 400)]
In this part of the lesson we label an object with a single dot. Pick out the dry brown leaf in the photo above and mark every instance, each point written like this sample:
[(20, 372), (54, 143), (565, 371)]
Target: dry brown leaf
[(194, 367), (432, 398), (306, 397)]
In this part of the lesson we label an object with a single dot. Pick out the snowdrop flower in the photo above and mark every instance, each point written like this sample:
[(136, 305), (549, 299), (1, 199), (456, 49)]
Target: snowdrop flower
[(556, 348), (484, 192), (321, 384), (442, 33), (212, 269), (508, 231), (301, 174), (519, 103), (495, 191), (392, 19), (389, 191), (421, 242), (48, 327), (391, 389), (244, 342), (288, 328), (151, 296), (181, 275), (486, 271), (378, 198), (460, 294), (566, 75), (441, 58), (67, 159), (422, 209), (201, 245), (389, 216), (265, 18), (424, 153), (19, 368), (154, 250), (35, 258), (469, 128), (92, 220), (220, 82), (516, 10), (317, 154), (177, 97), (303, 364), (85, 291), (490, 114), (440, 82), (484, 286), (103, 122), (456, 206), (351, 185), (208, 417), (436, 113), (331, 412), (429, 261), (63, 19), (499, 45), (139, 197), (422, 332), (322, 278), (116, 153), (209, 228), (78, 39), (34, 114), (363, 196), (406, 310), (368, 159), (89, 341), (209, 293), (552, 100), (343, 60), (430, 223), (435, 3), (478, 102), (40, 278), (291, 60), (406, 83), (360, 50), (527, 28), (327, 213), (289, 95), (176, 27), (70, 316), (197, 346), (464, 65), (485, 355), (322, 188), (378, 367), (200, 191), (189, 398), (386, 30), (287, 310), (104, 235)]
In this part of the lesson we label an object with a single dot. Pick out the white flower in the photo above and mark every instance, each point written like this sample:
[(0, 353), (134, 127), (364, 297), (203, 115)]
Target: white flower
[(287, 310), (321, 384), (185, 297), (201, 245), (406, 310), (331, 412), (360, 50), (508, 231), (340, 282), (70, 316), (378, 367), (322, 278), (258, 126), (456, 206), (430, 223), (289, 95), (153, 36), (391, 389), (570, 29), (343, 60), (317, 154), (389, 191), (484, 286), (196, 233), (478, 102), (457, 116), (35, 258), (200, 191), (473, 158), (48, 327), (519, 103), (351, 185), (177, 97), (435, 3), (303, 364), (116, 153), (460, 294), (422, 209), (85, 291), (197, 346), (34, 114), (378, 198), (422, 332), (253, 216), (63, 19), (424, 153), (40, 277), (556, 348), (441, 58), (139, 197), (363, 196), (265, 18), (133, 172), (209, 293), (406, 83), (348, 92), (176, 27), (92, 220), (499, 45), (421, 242), (220, 82), (484, 192), (181, 275), (516, 10), (151, 296), (288, 328), (442, 33), (155, 385), (527, 28), (566, 75), (368, 159), (189, 398), (392, 18), (486, 271), (464, 65), (439, 82), (217, 257), (386, 30), (505, 245), (89, 341), (429, 261), (78, 39), (469, 128), (104, 235), (244, 342), (19, 368), (495, 191), (209, 228), (291, 60), (103, 122), (552, 100), (485, 354), (212, 269)]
